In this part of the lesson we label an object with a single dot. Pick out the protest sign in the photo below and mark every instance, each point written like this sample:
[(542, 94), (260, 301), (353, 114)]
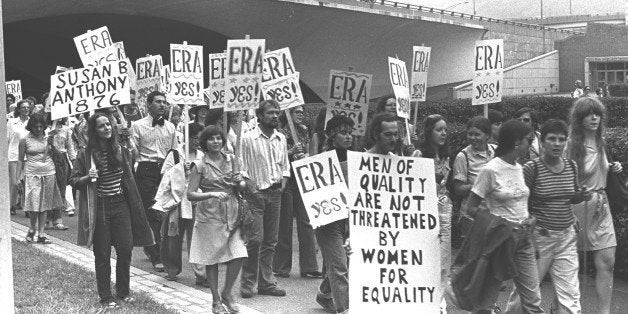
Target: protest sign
[(489, 72), (394, 234), (14, 88), (91, 42), (60, 69), (186, 74), (420, 66), (165, 79), (349, 95), (401, 87), (90, 88), (148, 78), (215, 91), (244, 73), (280, 81), (323, 188)]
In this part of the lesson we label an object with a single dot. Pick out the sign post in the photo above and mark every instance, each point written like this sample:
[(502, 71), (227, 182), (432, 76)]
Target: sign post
[(420, 67), (488, 79)]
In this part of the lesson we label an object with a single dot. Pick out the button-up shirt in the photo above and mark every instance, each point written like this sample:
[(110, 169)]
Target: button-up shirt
[(265, 158), (16, 129), (153, 142)]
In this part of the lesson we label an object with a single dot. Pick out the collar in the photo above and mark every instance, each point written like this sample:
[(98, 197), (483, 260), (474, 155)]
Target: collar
[(259, 133), (488, 152)]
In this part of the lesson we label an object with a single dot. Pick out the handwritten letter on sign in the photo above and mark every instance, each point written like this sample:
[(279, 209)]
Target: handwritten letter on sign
[(148, 72), (186, 74), (323, 188), (420, 66), (15, 88), (90, 43), (488, 80), (215, 92), (280, 81), (81, 90), (401, 87), (244, 73), (349, 95), (394, 235)]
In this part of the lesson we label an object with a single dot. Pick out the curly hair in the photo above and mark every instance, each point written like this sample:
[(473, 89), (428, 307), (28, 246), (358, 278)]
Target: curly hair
[(207, 133)]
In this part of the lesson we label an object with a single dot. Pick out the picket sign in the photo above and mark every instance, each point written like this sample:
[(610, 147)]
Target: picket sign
[(14, 88), (488, 79), (420, 69), (399, 79)]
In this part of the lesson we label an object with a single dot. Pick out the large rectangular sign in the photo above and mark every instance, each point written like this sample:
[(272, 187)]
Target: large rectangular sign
[(215, 91), (396, 266), (349, 95), (280, 81), (420, 66), (488, 80), (86, 89), (401, 86), (244, 73), (186, 74), (323, 188), (148, 77), (15, 88), (90, 43)]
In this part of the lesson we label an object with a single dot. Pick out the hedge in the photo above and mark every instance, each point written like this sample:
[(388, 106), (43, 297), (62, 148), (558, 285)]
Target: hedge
[(618, 90)]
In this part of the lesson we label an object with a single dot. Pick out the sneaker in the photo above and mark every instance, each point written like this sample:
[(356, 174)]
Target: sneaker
[(273, 291), (326, 303), (43, 240)]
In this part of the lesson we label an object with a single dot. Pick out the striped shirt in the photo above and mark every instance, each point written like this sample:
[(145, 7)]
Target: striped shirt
[(265, 159), (153, 142), (551, 193), (108, 179)]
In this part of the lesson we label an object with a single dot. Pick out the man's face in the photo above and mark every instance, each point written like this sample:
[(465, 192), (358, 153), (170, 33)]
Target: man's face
[(132, 98), (388, 137), (158, 106), (270, 117)]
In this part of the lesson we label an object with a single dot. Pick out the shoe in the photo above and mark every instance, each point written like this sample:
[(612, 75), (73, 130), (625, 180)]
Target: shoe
[(246, 294), (218, 308), (43, 240), (312, 275), (158, 267), (230, 304), (203, 283), (326, 303), (60, 226), (110, 305), (70, 213), (274, 291), (282, 275), (127, 299), (30, 236), (171, 278)]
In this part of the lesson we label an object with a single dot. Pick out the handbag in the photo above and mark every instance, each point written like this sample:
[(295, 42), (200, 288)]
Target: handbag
[(616, 189), (245, 218)]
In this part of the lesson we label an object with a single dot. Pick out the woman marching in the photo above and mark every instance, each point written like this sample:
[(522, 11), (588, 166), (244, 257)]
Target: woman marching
[(110, 209), (586, 147)]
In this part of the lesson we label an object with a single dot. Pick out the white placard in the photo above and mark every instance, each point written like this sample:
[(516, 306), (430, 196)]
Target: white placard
[(91, 42), (488, 80), (86, 89), (420, 67), (396, 266), (244, 73), (148, 77), (186, 74), (349, 95), (215, 91), (280, 80), (15, 88), (401, 87), (165, 79), (323, 188)]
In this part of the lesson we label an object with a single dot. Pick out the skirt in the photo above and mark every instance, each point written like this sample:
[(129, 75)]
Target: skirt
[(596, 223), (213, 244), (41, 193)]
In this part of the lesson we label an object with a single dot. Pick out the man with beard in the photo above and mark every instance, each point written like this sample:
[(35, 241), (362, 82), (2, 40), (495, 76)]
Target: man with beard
[(383, 133)]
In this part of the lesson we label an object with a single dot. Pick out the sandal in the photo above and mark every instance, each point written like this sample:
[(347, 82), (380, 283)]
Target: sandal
[(218, 308), (230, 304), (43, 240), (30, 236), (60, 226)]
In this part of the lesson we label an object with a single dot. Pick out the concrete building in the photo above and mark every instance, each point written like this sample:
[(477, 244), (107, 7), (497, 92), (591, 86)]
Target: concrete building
[(577, 23)]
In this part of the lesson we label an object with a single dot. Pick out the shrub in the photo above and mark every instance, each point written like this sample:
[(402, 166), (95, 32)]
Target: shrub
[(618, 90)]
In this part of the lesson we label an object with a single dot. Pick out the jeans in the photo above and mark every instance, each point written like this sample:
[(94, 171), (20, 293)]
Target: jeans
[(113, 227), (147, 178), (261, 246), (557, 254), (331, 239), (291, 207)]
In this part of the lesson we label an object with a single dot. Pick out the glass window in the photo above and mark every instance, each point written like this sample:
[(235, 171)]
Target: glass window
[(601, 65), (601, 76), (620, 77), (592, 66), (615, 66), (610, 78)]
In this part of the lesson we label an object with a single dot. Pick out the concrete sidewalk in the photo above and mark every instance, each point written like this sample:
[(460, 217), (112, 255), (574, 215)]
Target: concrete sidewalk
[(171, 294)]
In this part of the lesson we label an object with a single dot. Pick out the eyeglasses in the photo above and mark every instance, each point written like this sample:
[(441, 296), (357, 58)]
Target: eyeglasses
[(525, 120)]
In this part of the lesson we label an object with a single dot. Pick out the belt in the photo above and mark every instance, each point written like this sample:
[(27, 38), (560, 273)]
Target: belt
[(157, 163), (274, 186)]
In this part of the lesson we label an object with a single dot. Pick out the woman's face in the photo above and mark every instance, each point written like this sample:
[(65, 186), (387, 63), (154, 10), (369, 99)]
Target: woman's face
[(526, 119), (103, 128), (193, 142), (214, 143), (439, 133), (25, 109), (343, 139), (297, 114), (391, 106), (201, 113), (554, 144), (591, 122), (477, 139), (38, 129)]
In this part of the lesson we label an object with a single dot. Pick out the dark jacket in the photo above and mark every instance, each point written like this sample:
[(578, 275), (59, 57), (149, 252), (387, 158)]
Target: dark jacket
[(488, 257), (142, 234)]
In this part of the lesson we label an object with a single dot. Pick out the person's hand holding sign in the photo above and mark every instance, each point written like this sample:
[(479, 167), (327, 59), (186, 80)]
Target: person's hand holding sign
[(93, 174)]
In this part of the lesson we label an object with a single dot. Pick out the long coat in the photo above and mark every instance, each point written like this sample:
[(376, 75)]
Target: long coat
[(142, 234)]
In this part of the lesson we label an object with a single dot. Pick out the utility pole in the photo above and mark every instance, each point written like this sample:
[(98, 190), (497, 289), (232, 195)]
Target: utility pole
[(543, 26)]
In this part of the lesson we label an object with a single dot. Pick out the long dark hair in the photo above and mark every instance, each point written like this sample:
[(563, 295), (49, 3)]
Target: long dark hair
[(575, 144), (510, 132), (96, 147), (427, 149)]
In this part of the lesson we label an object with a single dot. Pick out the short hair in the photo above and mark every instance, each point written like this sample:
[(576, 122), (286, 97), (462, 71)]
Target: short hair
[(16, 112), (553, 126), (37, 118), (481, 123), (32, 99), (375, 127), (510, 132), (207, 133), (495, 116), (213, 116), (533, 115), (195, 129), (381, 103), (265, 103), (11, 96), (152, 95), (335, 125)]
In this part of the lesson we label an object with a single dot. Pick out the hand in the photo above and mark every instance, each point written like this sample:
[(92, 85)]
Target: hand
[(616, 167), (347, 247), (93, 173), (298, 149), (221, 196), (124, 131), (584, 194), (187, 165)]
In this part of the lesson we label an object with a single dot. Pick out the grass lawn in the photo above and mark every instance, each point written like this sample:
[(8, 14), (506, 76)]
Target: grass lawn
[(47, 284)]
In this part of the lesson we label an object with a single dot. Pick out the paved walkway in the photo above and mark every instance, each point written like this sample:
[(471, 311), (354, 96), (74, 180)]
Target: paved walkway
[(171, 294)]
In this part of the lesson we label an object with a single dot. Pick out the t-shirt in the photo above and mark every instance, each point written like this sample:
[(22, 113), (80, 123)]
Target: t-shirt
[(551, 193), (503, 187)]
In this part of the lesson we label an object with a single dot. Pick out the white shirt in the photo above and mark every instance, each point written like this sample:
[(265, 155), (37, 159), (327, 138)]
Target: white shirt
[(265, 159), (16, 129), (153, 142)]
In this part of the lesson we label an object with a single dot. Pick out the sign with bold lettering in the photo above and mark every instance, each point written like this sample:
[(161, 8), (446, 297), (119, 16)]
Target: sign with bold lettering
[(420, 66), (90, 88), (186, 74), (244, 73), (394, 235), (90, 43), (165, 79), (280, 81), (15, 88), (488, 80), (323, 188), (401, 87), (148, 74), (349, 95), (215, 92)]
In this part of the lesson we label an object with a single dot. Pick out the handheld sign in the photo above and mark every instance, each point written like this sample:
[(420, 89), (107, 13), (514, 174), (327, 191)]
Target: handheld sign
[(280, 81), (91, 42), (323, 188), (489, 72), (394, 235), (420, 66), (60, 69), (165, 79), (87, 89), (148, 77), (215, 92), (244, 73), (15, 88), (349, 95), (186, 74), (401, 87)]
